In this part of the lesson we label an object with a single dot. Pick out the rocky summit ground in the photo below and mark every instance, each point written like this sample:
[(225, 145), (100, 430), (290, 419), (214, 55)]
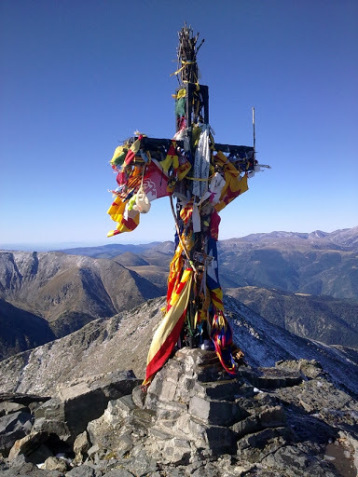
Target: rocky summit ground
[(193, 420)]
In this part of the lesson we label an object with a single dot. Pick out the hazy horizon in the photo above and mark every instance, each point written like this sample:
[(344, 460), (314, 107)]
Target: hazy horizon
[(44, 247)]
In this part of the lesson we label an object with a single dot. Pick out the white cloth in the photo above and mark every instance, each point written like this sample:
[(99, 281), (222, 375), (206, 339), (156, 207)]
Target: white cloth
[(202, 163)]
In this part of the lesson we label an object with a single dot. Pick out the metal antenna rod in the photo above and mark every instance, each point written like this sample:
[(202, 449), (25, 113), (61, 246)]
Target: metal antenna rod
[(253, 128)]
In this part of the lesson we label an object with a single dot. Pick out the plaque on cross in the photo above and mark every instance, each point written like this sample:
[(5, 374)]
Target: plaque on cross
[(202, 177)]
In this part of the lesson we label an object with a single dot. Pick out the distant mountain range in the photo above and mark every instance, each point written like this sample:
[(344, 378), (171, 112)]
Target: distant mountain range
[(316, 263), (306, 284)]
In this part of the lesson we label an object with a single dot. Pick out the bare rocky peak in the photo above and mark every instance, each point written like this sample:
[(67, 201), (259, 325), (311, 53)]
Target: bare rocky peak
[(347, 238), (69, 291), (120, 343), (318, 264), (317, 234), (193, 420), (291, 408)]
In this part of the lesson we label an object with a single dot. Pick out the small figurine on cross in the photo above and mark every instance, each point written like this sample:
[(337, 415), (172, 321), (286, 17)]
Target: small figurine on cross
[(202, 177)]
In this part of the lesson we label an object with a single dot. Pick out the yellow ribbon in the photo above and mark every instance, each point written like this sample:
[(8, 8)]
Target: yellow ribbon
[(184, 64)]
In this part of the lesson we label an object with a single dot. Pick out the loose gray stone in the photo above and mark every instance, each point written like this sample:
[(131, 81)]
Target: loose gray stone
[(8, 407), (119, 473), (53, 463), (26, 445), (50, 426), (294, 462), (85, 401), (13, 426), (29, 469), (80, 447), (82, 471), (138, 396)]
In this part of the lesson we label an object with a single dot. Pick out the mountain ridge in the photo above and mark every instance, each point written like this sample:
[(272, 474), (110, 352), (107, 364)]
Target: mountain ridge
[(326, 319), (318, 263), (68, 291), (122, 343), (341, 238)]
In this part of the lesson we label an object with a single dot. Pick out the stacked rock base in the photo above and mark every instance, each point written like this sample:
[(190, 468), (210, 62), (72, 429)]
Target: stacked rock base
[(193, 420)]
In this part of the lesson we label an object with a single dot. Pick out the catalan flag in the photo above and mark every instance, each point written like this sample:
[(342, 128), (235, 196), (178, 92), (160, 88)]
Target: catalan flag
[(168, 332), (116, 212), (180, 164), (234, 183)]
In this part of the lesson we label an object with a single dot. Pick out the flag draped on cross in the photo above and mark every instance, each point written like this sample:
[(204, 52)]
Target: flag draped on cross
[(167, 334)]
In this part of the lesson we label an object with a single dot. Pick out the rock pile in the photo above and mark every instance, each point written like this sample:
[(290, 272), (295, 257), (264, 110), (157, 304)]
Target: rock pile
[(193, 420)]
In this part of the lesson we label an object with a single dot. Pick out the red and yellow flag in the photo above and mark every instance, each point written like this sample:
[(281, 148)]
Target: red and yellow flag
[(234, 183), (132, 151), (180, 164), (116, 212), (168, 332)]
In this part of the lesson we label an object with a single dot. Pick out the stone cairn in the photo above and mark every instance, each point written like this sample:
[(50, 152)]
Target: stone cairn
[(200, 410)]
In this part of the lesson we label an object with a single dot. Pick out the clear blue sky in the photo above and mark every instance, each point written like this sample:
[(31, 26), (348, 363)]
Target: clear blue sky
[(80, 76)]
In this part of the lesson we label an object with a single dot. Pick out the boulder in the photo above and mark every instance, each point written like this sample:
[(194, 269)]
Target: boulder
[(83, 401), (120, 427), (81, 446), (83, 471), (14, 426), (54, 463)]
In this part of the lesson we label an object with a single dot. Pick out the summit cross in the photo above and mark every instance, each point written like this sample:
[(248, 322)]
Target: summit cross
[(202, 177)]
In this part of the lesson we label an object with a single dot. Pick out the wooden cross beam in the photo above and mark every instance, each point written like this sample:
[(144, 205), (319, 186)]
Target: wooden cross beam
[(197, 111)]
